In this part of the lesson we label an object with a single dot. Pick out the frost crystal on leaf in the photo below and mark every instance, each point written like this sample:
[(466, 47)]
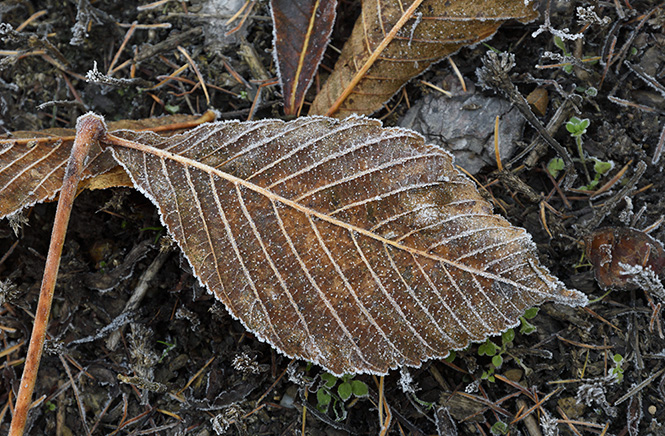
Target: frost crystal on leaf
[(549, 425), (247, 364), (594, 392), (645, 278), (406, 382), (589, 15)]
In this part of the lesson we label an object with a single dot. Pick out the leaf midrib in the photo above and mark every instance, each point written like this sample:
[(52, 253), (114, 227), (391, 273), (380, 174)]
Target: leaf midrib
[(164, 154)]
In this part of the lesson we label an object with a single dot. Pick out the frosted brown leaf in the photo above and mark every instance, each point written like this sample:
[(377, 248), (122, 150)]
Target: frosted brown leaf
[(353, 246), (395, 40), (31, 171), (301, 33)]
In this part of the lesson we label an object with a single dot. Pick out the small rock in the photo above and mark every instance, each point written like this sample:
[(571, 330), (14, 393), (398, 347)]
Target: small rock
[(464, 125)]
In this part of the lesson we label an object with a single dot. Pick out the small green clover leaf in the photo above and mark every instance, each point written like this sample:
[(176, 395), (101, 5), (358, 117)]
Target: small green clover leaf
[(359, 388), (344, 391), (530, 313), (508, 336), (577, 127), (488, 375), (323, 399), (601, 167), (555, 166), (526, 328), (329, 379), (328, 397), (489, 348), (499, 428)]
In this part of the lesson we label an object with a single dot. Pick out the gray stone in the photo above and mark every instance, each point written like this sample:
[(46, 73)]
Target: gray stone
[(464, 125)]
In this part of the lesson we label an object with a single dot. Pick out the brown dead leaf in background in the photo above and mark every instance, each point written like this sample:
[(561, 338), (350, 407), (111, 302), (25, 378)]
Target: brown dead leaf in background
[(392, 43), (612, 249), (343, 243), (32, 172), (301, 34)]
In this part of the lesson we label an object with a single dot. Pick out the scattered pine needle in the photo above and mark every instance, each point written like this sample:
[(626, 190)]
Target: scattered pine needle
[(128, 36), (496, 144), (152, 5), (441, 90), (458, 74), (196, 71), (195, 376), (30, 19)]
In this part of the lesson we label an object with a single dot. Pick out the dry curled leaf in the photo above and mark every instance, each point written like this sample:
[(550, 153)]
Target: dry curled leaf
[(32, 171), (394, 41), (614, 249), (301, 33), (343, 243)]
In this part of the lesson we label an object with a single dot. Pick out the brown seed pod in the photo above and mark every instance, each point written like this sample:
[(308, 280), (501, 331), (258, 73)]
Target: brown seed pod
[(538, 100)]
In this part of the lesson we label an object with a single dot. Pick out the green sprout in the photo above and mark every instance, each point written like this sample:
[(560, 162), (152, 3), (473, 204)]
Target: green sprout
[(600, 168), (526, 327), (490, 349), (617, 371), (499, 428), (172, 108), (577, 127), (555, 166), (327, 396), (168, 348), (559, 43)]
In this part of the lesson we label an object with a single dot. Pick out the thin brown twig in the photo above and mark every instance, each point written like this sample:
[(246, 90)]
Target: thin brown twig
[(196, 71), (537, 405), (79, 404), (128, 36), (30, 19), (89, 128), (568, 421)]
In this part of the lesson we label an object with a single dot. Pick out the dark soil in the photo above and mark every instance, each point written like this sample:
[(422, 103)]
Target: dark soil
[(181, 345)]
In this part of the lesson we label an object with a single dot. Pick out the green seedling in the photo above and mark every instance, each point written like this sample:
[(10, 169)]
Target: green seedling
[(499, 428), (526, 328), (172, 108), (562, 46), (617, 371), (577, 127), (166, 351), (555, 166), (600, 168), (327, 395), (490, 349)]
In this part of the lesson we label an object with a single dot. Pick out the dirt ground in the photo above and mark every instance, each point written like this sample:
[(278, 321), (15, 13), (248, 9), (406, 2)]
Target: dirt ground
[(189, 368)]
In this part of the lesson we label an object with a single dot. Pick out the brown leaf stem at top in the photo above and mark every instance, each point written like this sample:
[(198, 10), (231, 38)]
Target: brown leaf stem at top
[(358, 76), (395, 40)]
